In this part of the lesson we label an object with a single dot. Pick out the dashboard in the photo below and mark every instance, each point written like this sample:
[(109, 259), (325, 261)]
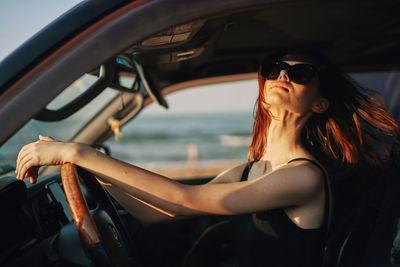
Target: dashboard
[(30, 220), (37, 228)]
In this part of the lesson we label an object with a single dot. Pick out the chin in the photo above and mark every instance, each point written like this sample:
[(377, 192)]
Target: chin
[(275, 99)]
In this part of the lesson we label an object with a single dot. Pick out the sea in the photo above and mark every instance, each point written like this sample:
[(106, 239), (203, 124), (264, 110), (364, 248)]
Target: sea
[(179, 138)]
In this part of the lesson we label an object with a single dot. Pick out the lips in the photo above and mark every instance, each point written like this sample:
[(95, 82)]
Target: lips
[(280, 85)]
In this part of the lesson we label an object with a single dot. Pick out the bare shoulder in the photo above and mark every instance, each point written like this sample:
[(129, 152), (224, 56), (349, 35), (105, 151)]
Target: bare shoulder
[(231, 175), (305, 173)]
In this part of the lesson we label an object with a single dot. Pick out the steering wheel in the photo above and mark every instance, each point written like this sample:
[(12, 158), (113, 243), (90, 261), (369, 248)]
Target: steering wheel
[(103, 234)]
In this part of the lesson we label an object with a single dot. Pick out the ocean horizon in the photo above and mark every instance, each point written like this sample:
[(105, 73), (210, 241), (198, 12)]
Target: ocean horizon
[(184, 138)]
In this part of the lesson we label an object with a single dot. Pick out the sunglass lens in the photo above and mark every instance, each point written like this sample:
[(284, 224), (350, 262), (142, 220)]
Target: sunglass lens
[(301, 74), (275, 71), (271, 70), (265, 69)]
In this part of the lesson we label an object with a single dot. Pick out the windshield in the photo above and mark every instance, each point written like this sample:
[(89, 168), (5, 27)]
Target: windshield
[(63, 130)]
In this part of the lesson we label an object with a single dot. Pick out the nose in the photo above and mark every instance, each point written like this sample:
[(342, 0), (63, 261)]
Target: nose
[(283, 76)]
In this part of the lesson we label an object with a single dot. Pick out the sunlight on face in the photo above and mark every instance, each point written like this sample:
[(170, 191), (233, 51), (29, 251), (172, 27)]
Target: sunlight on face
[(283, 93)]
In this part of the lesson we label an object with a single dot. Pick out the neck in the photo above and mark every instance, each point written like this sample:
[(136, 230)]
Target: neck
[(284, 139)]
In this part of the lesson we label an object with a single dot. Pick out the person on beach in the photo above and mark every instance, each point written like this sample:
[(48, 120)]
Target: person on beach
[(310, 120), (192, 152)]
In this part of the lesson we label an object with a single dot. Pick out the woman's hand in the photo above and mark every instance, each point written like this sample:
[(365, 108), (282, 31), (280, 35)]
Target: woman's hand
[(45, 151)]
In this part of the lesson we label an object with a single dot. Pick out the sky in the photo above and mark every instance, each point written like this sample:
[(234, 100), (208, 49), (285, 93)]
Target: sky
[(219, 98), (21, 19)]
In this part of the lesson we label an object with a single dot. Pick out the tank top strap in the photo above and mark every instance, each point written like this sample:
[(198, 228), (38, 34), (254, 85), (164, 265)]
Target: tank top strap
[(245, 173), (311, 161)]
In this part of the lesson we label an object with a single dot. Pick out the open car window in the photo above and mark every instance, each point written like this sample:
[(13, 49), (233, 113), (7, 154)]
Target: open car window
[(202, 127)]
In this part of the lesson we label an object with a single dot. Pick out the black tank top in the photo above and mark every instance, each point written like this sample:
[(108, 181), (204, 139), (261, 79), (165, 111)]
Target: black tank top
[(271, 238)]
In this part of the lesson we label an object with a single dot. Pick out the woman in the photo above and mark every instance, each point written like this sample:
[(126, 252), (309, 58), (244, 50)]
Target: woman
[(308, 116)]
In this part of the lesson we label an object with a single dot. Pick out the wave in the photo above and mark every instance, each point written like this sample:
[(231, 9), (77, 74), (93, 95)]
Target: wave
[(140, 137), (154, 140), (234, 140)]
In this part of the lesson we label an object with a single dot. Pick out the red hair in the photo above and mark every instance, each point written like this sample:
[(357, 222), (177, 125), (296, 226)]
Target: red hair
[(344, 134), (261, 124)]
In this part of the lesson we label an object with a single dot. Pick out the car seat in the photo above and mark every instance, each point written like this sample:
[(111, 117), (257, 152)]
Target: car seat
[(367, 233)]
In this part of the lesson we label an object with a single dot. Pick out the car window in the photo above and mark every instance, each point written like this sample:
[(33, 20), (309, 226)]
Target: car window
[(76, 89), (61, 130), (205, 125), (387, 83)]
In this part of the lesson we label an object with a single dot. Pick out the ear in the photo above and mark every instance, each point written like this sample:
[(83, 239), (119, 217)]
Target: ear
[(321, 105)]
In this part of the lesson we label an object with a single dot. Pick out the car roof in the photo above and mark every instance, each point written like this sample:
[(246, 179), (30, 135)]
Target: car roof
[(357, 35)]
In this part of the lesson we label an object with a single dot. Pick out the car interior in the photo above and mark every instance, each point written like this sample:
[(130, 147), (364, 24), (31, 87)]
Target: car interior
[(37, 225)]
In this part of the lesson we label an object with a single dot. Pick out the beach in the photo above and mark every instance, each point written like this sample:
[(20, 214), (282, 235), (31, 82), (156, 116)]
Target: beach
[(185, 146)]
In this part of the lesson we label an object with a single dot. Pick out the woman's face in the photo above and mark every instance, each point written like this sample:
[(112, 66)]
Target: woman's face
[(284, 94)]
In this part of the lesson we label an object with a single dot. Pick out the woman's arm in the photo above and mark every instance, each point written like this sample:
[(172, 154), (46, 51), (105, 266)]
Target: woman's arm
[(143, 211), (288, 186), (148, 213)]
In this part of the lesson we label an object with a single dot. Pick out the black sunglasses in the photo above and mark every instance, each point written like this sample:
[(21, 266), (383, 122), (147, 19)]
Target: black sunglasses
[(299, 73)]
